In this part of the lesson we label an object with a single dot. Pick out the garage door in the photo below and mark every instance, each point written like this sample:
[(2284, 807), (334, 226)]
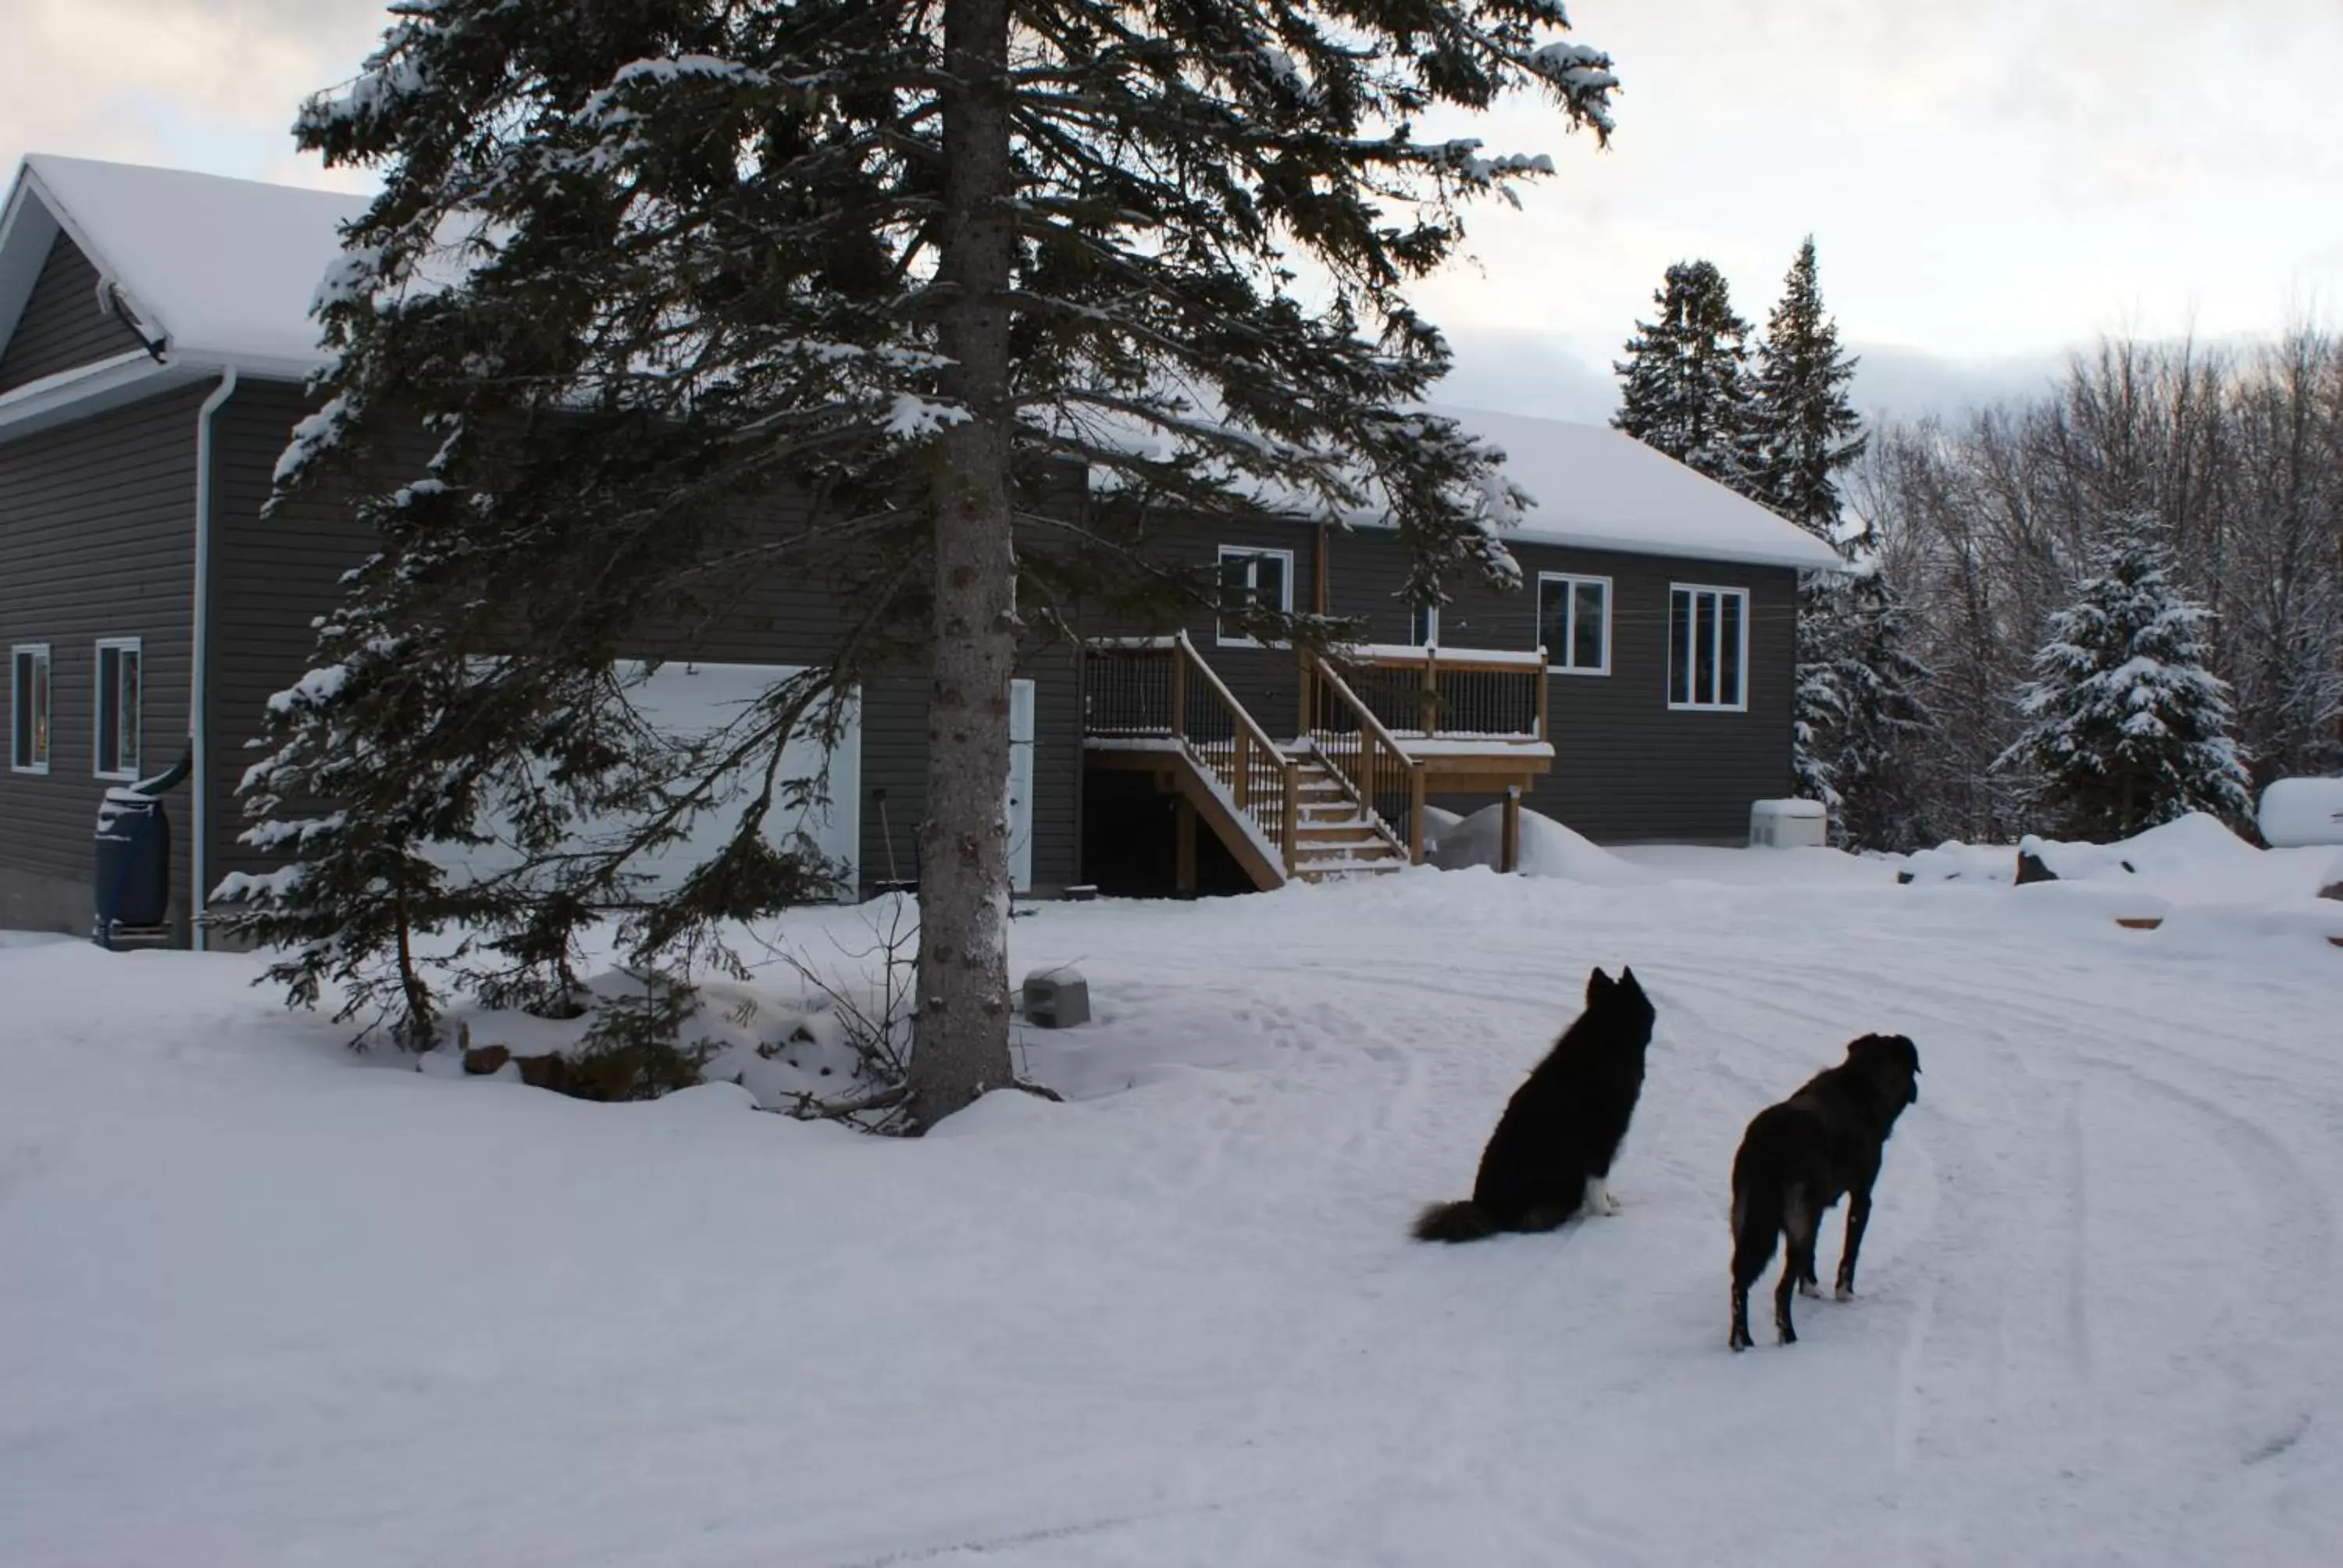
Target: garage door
[(687, 702)]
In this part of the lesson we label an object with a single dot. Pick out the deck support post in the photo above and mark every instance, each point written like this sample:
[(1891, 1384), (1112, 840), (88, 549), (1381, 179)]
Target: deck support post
[(1415, 815), (1509, 854), (1184, 846), (1290, 833)]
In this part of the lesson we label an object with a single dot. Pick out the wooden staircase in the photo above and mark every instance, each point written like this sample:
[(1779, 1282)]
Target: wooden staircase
[(1334, 836), (1284, 812), (1345, 797)]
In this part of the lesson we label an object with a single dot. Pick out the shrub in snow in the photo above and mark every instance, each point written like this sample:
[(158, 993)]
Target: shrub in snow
[(2126, 726)]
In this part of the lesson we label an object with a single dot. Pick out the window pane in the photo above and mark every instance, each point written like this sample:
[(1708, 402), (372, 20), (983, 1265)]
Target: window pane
[(1236, 582), (1554, 620), (1269, 582), (109, 708), (1704, 669), (1679, 647), (1423, 625), (132, 666), (20, 714), (1729, 651), (1586, 626)]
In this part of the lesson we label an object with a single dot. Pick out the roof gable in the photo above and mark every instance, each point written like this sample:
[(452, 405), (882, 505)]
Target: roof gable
[(221, 271)]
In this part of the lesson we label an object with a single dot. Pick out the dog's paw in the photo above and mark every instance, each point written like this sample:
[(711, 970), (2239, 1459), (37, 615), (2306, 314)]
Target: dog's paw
[(1608, 1202), (1843, 1293), (1809, 1290)]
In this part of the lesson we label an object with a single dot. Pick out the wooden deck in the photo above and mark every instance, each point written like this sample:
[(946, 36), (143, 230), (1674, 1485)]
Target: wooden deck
[(1383, 728)]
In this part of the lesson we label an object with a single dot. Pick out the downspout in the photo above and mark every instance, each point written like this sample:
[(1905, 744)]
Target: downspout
[(199, 665)]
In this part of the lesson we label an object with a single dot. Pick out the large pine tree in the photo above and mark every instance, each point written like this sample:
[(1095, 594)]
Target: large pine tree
[(1806, 429), (640, 269), (1684, 384), (2126, 726), (1858, 713)]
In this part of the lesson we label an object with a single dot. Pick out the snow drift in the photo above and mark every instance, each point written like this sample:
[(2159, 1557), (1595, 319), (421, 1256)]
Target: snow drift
[(1548, 850)]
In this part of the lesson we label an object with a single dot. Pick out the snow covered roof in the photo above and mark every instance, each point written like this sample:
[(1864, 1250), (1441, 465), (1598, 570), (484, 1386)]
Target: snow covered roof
[(222, 271), (1599, 489)]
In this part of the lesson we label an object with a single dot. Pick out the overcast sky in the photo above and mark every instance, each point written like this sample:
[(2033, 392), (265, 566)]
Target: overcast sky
[(1988, 183)]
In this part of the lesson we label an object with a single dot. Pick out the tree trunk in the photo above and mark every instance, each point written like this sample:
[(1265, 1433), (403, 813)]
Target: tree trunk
[(962, 1048)]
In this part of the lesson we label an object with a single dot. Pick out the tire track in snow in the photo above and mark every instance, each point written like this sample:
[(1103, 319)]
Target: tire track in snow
[(2286, 1189)]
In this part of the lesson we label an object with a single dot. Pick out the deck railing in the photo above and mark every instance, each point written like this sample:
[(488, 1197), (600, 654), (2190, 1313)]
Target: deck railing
[(1447, 694), (1362, 751), (1145, 692)]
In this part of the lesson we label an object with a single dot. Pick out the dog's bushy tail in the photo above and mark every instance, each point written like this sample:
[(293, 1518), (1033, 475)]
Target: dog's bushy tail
[(1460, 1222), (1757, 1222)]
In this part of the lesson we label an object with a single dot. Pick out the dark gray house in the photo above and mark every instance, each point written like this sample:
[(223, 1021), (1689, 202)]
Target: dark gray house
[(154, 338)]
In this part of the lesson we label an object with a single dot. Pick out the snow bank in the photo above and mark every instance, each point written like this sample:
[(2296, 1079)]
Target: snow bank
[(2192, 861), (1548, 850)]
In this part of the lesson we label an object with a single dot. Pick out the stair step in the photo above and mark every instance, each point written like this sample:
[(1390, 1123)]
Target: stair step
[(1342, 833), (1305, 854)]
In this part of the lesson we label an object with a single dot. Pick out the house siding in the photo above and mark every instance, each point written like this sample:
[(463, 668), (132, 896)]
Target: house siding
[(62, 326), (272, 577), (96, 540), (1626, 768)]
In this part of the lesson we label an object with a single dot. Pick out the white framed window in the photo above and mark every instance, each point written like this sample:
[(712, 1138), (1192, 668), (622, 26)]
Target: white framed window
[(1708, 649), (1252, 579), (1423, 625), (117, 707), (28, 707), (1575, 623)]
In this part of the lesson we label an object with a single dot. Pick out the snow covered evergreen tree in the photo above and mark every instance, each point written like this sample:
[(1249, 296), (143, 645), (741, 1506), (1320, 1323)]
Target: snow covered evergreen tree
[(2128, 725), (1807, 432), (639, 270), (1684, 386), (1803, 432), (1877, 721)]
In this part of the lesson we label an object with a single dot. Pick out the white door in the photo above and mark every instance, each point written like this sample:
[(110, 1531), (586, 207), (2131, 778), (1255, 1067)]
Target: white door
[(1021, 785), (687, 702)]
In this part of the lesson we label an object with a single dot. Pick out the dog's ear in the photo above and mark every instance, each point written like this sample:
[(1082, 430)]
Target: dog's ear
[(1628, 982), (1598, 985)]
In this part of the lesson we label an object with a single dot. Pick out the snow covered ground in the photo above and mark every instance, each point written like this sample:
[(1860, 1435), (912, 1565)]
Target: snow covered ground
[(263, 1303)]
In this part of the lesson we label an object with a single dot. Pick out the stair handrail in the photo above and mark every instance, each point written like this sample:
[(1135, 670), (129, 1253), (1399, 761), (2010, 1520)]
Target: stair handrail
[(1363, 789), (1189, 657)]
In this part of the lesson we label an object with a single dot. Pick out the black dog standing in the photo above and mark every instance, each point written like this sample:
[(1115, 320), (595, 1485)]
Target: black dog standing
[(1800, 1157), (1551, 1155)]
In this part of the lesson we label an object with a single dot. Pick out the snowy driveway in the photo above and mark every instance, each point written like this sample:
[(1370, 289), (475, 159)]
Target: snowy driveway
[(260, 1305)]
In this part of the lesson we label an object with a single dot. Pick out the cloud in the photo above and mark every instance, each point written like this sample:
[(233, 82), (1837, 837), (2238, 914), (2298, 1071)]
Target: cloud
[(1561, 378), (1984, 183), (200, 84)]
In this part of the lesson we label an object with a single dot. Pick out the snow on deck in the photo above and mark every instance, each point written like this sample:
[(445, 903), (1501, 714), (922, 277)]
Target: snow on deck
[(267, 1302)]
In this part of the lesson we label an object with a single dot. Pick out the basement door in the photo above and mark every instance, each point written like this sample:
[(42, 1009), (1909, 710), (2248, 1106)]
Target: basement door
[(1021, 785)]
